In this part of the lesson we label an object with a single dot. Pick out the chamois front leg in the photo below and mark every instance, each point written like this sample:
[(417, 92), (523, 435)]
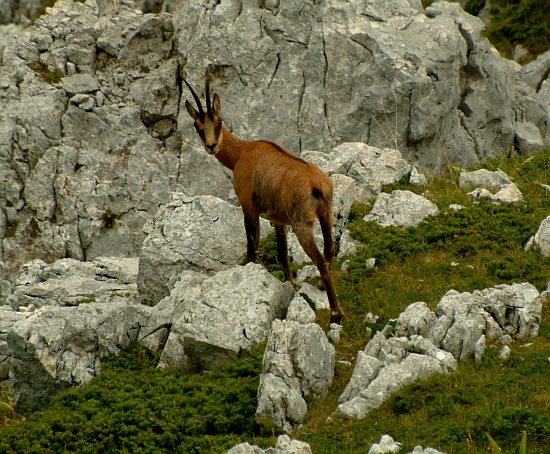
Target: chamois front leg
[(282, 253), (306, 237), (252, 228)]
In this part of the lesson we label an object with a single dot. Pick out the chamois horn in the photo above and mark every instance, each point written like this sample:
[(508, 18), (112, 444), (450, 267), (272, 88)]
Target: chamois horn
[(197, 100), (207, 92)]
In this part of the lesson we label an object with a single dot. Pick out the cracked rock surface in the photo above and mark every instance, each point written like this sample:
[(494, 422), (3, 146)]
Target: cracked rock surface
[(201, 233)]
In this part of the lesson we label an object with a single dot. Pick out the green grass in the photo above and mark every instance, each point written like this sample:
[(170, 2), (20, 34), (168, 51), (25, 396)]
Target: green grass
[(525, 22), (132, 407)]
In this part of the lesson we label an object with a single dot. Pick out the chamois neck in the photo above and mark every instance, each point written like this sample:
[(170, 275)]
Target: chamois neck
[(230, 149)]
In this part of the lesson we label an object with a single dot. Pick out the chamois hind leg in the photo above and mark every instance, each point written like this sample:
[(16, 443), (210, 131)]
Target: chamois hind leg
[(282, 252), (306, 238), (327, 223), (252, 228)]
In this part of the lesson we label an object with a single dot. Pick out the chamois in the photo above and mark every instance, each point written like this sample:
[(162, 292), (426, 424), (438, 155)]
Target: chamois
[(269, 179)]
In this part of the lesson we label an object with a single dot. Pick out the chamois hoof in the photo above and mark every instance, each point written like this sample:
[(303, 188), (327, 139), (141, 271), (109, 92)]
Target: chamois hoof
[(335, 317)]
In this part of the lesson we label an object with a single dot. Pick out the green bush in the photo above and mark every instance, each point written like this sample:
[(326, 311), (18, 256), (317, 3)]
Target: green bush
[(132, 407)]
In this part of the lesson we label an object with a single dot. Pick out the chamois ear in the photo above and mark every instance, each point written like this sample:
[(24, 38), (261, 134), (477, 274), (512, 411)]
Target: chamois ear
[(191, 110), (216, 106)]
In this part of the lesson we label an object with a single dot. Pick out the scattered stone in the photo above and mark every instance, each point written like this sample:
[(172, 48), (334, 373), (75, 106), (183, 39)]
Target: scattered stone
[(57, 347), (534, 72), (456, 207), (454, 264), (541, 238), (370, 167), (348, 245), (370, 319), (417, 179), (319, 297), (504, 352), (345, 266), (284, 445), (427, 342), (505, 339), (493, 181), (334, 333), (300, 311), (370, 263), (508, 194), (401, 208), (386, 445), (418, 450), (307, 272), (69, 282)]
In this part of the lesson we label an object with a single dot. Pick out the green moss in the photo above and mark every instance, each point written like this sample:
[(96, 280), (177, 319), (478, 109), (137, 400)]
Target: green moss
[(47, 74)]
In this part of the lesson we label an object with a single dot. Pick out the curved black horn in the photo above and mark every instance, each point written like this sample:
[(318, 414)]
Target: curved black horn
[(197, 100), (207, 91)]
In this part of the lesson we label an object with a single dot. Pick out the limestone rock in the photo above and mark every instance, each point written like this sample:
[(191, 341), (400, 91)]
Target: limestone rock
[(400, 208), (529, 139), (298, 361), (201, 233), (8, 317), (534, 72), (284, 445), (69, 282), (57, 347), (541, 238), (428, 343), (386, 445), (211, 319), (492, 181)]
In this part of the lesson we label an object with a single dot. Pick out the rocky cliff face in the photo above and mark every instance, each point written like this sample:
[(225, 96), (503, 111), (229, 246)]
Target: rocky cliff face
[(388, 73), (88, 137), (93, 138)]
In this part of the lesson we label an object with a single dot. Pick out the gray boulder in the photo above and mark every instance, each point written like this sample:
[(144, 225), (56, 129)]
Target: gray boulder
[(484, 178), (386, 445), (298, 361), (507, 194), (529, 139), (284, 445), (428, 343), (201, 233), (401, 208), (208, 320), (536, 71), (541, 238)]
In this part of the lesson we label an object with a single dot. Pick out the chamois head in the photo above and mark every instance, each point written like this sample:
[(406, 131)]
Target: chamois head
[(208, 124)]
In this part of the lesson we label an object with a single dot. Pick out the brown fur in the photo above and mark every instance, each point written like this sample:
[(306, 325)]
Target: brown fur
[(269, 179)]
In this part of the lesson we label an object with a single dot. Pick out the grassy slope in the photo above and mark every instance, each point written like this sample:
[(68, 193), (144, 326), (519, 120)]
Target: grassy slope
[(131, 407)]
